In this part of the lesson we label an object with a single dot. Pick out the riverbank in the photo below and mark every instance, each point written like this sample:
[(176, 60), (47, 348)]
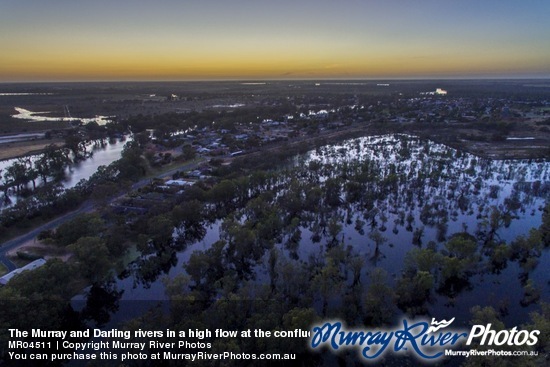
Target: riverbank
[(467, 139), (14, 238), (19, 149)]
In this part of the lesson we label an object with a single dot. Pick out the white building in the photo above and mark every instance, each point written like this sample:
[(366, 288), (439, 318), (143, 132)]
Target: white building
[(30, 266)]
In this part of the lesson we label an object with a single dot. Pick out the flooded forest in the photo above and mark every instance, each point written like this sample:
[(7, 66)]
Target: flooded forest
[(367, 231)]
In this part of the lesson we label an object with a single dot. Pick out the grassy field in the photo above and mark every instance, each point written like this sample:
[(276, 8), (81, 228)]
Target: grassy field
[(23, 148)]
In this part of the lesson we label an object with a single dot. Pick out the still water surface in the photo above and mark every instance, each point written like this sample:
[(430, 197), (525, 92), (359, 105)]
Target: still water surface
[(440, 191), (102, 155)]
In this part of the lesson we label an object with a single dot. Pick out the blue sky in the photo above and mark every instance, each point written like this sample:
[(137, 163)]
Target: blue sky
[(209, 39)]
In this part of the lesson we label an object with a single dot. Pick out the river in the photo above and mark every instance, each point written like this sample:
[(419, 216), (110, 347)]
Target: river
[(102, 155)]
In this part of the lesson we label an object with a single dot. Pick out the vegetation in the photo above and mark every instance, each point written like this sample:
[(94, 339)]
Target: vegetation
[(263, 218), (50, 199)]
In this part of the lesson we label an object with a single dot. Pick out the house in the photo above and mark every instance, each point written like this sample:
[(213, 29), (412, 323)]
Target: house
[(203, 150), (179, 183), (241, 136)]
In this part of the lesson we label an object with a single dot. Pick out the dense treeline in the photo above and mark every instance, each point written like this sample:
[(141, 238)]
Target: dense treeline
[(51, 199)]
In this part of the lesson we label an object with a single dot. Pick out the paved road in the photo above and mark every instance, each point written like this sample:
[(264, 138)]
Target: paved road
[(86, 207)]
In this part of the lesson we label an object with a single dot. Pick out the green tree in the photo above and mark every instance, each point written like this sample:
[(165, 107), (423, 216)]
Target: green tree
[(462, 246), (189, 221), (545, 226), (540, 320), (302, 319), (205, 268), (243, 249), (131, 164), (413, 290), (332, 192), (16, 175), (160, 229), (223, 193), (188, 152), (378, 299), (422, 259), (76, 144), (52, 163), (84, 225), (328, 283), (92, 255), (102, 192)]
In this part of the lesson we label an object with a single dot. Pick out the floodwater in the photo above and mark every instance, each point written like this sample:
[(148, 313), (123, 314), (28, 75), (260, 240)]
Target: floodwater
[(440, 191), (102, 154), (24, 114)]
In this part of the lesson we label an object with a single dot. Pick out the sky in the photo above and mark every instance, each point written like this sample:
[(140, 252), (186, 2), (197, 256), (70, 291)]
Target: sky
[(132, 40)]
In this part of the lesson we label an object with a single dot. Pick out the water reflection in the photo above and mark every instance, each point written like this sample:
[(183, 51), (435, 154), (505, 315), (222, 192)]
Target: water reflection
[(103, 154), (441, 224), (99, 153)]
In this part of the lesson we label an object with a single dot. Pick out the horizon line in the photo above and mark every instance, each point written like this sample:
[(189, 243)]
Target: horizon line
[(499, 78)]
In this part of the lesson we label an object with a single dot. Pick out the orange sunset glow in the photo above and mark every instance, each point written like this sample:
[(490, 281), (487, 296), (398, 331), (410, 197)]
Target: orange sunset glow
[(172, 40)]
